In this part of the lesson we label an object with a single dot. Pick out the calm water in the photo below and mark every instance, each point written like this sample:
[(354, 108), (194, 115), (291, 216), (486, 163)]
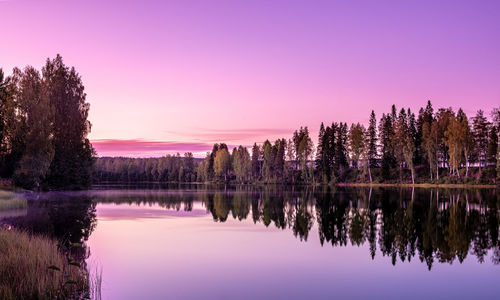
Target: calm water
[(225, 243)]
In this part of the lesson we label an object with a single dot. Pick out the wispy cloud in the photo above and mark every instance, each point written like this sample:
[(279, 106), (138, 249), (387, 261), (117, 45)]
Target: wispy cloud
[(148, 148), (246, 135)]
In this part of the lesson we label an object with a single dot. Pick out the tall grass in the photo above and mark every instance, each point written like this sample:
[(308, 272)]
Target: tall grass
[(32, 267), (14, 203), (6, 194), (9, 200)]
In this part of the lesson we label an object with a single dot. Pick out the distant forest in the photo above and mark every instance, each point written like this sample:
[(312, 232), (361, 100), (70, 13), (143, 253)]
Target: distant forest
[(44, 145), (434, 147), (44, 127)]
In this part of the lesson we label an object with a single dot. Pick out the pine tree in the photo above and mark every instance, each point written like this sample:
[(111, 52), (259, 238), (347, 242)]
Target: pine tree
[(491, 156), (480, 133), (255, 162), (495, 114), (290, 162), (341, 162), (372, 141), (425, 116), (320, 154), (330, 143), (400, 137), (267, 164), (279, 159), (412, 132), (386, 138), (468, 141)]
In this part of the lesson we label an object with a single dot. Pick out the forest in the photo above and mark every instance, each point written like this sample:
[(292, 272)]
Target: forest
[(44, 128), (440, 147), (44, 145)]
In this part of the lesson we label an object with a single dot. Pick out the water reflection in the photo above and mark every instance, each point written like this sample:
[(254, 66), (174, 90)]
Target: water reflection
[(67, 217), (431, 225)]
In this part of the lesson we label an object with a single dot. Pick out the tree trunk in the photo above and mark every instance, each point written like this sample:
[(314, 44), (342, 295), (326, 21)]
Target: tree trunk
[(412, 176), (370, 174), (401, 172), (466, 164), (437, 167)]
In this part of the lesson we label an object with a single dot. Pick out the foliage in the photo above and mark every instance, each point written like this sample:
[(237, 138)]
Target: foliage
[(44, 128)]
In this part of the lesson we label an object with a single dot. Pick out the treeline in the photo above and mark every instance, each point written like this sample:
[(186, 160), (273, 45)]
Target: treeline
[(171, 168), (432, 147), (438, 147), (44, 127)]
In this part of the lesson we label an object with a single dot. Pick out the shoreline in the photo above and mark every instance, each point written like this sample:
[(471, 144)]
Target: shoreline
[(340, 184), (419, 185)]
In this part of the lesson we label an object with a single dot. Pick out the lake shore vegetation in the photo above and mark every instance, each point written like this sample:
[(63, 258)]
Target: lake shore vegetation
[(33, 267), (44, 145), (44, 128), (440, 147)]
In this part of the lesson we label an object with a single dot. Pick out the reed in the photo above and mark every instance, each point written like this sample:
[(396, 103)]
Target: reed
[(33, 267), (12, 203)]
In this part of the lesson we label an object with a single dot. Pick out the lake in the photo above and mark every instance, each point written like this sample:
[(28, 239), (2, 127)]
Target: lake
[(191, 242)]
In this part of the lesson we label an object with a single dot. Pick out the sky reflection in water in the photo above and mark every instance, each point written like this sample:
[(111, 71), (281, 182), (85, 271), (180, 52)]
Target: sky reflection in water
[(215, 244)]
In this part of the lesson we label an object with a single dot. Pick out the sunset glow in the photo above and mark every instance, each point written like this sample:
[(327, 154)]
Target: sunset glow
[(174, 76)]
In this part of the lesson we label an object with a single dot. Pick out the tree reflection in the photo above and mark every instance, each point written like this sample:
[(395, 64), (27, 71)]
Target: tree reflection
[(430, 225), (68, 218)]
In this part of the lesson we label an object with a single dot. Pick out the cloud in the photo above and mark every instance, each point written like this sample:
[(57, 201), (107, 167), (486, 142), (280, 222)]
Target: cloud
[(148, 148), (203, 138), (235, 135), (145, 148)]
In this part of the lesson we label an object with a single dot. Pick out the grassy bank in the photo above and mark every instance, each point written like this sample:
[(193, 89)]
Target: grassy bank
[(9, 200), (32, 267)]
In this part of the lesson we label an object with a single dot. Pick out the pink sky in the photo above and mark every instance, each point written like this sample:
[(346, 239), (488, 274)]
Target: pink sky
[(168, 76)]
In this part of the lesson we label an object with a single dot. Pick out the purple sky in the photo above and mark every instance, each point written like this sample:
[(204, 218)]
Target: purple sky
[(167, 76)]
